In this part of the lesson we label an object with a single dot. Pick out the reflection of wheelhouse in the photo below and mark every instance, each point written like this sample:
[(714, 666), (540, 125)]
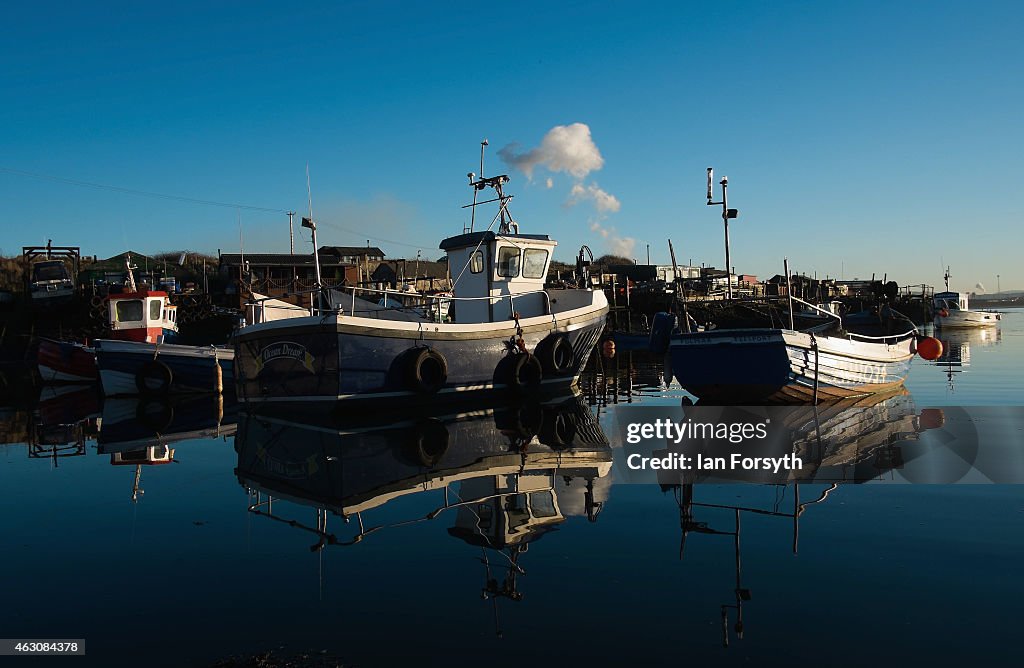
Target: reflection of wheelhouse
[(152, 455), (149, 456), (511, 509)]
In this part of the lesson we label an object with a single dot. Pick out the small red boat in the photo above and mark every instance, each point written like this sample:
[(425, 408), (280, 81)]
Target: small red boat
[(66, 362)]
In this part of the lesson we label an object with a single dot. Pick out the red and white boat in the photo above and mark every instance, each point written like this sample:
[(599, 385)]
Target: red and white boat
[(139, 315)]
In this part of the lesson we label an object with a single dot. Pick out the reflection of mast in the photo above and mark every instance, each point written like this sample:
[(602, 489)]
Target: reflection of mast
[(689, 524), (135, 485)]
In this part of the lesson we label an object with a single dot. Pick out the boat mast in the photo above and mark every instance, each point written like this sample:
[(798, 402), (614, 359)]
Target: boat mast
[(308, 222), (946, 278)]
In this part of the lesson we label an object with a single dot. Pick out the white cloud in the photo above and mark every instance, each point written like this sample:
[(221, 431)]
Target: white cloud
[(550, 183), (603, 201), (617, 245), (565, 148), (622, 246)]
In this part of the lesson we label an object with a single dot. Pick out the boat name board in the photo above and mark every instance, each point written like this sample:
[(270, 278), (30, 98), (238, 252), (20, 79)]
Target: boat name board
[(714, 341), (285, 350)]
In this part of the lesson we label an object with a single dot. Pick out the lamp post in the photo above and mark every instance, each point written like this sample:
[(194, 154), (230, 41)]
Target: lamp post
[(727, 213)]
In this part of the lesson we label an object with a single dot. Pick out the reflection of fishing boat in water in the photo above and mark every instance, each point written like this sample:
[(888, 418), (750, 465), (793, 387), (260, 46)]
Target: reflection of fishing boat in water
[(506, 476), (63, 420), (140, 432), (956, 348), (852, 441)]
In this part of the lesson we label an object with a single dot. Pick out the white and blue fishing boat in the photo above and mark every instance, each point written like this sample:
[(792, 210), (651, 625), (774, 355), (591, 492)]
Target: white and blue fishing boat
[(737, 366), (498, 329)]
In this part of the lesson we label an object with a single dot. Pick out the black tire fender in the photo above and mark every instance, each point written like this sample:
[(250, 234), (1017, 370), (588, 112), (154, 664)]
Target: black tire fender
[(525, 373), (556, 355), (428, 371), (153, 379)]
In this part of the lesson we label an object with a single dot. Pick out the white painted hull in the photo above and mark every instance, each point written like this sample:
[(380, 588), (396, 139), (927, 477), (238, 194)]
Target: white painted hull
[(963, 318)]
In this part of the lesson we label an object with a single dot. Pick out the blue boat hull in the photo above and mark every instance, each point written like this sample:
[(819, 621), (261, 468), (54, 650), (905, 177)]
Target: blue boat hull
[(122, 363), (338, 362)]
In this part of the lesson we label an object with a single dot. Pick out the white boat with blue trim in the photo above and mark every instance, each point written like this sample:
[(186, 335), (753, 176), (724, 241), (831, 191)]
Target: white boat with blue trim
[(952, 310), (497, 329)]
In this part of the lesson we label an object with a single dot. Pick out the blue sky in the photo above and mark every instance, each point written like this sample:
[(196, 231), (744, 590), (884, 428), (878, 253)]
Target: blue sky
[(858, 137)]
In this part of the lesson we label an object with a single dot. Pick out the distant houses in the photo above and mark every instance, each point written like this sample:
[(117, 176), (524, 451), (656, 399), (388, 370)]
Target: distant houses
[(293, 276)]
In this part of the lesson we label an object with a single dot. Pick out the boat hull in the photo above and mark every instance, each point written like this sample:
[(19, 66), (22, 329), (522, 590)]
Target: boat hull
[(191, 369), (350, 360), (785, 366), (65, 362), (966, 319)]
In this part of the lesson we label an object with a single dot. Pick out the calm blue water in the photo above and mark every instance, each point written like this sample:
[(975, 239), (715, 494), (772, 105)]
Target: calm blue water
[(187, 572)]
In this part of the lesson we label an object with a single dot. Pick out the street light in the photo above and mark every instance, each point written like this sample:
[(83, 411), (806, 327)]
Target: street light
[(727, 213)]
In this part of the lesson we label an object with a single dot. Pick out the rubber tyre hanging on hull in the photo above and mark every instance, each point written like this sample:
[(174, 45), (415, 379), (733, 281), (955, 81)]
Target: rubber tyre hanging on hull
[(153, 379), (428, 371), (556, 355), (525, 373)]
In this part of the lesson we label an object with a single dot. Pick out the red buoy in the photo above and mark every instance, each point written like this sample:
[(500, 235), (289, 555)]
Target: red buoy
[(929, 348), (944, 313)]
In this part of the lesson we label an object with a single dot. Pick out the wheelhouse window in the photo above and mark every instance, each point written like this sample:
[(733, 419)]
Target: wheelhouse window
[(129, 310), (154, 309), (508, 262), (534, 260), (476, 263)]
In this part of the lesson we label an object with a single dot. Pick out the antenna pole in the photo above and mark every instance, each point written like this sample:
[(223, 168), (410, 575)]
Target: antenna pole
[(312, 226), (291, 232), (727, 213)]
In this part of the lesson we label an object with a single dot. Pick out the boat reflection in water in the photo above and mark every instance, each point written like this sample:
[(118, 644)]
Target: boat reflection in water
[(63, 420), (956, 349), (140, 432), (855, 440), (689, 523), (502, 477)]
